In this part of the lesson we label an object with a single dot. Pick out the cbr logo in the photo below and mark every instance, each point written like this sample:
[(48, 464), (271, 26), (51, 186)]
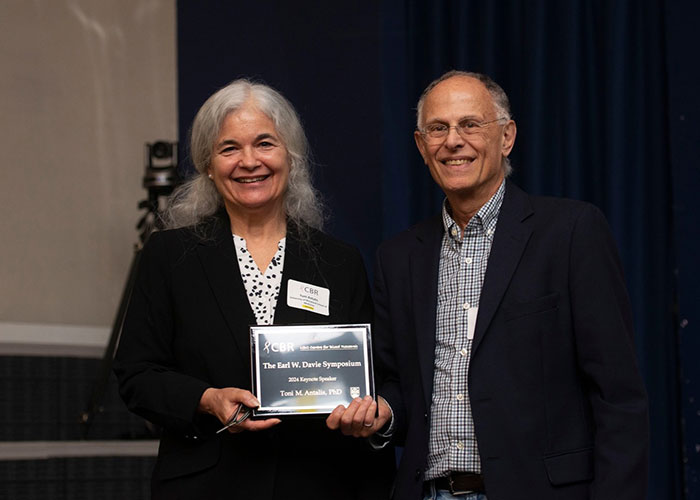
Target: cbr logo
[(278, 347)]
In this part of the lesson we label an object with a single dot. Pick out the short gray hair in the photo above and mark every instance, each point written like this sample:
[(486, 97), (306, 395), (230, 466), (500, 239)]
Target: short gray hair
[(498, 96), (197, 199)]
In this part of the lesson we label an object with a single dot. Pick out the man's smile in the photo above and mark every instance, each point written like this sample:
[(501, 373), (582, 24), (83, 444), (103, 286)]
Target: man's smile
[(455, 162)]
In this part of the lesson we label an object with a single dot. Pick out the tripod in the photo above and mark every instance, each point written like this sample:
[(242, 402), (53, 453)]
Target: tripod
[(160, 180)]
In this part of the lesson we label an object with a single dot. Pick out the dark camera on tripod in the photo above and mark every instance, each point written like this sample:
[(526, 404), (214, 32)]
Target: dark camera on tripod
[(161, 175), (160, 180), (162, 149)]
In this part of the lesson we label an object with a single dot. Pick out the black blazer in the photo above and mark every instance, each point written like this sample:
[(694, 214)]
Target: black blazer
[(559, 407), (187, 329)]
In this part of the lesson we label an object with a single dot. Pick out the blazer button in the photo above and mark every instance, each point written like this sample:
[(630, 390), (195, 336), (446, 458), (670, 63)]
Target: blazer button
[(425, 416), (418, 474)]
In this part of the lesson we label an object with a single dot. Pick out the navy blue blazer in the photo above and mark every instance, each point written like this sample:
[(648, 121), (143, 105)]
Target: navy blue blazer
[(187, 329), (559, 406)]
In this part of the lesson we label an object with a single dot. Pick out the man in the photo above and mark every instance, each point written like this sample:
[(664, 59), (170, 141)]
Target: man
[(503, 331)]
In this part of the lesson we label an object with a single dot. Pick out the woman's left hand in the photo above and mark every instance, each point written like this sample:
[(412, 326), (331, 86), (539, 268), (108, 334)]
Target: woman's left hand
[(360, 418)]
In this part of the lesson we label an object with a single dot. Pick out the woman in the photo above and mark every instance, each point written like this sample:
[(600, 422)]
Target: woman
[(246, 224)]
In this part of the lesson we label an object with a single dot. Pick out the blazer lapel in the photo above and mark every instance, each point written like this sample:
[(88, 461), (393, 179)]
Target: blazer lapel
[(512, 234), (423, 268), (218, 257), (297, 266)]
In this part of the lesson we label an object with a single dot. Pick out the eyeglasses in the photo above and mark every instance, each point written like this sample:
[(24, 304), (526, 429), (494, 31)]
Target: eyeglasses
[(437, 131)]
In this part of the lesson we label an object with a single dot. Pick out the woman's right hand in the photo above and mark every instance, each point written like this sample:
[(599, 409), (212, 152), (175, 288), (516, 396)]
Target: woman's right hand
[(223, 403)]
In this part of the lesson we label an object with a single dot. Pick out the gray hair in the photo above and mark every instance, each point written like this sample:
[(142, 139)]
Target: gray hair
[(197, 199), (498, 96)]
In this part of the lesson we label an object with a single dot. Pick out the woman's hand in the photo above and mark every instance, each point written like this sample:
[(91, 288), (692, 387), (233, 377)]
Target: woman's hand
[(223, 403), (358, 419)]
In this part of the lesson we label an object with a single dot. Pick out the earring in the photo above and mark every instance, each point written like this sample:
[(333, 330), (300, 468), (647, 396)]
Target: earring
[(210, 176)]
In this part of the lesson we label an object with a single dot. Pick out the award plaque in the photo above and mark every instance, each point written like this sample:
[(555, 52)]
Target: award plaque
[(309, 369)]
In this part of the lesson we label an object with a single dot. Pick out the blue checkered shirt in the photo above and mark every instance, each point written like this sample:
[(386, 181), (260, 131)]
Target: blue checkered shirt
[(463, 260)]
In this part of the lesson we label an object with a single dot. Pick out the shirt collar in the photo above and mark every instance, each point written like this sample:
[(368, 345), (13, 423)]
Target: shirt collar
[(485, 217)]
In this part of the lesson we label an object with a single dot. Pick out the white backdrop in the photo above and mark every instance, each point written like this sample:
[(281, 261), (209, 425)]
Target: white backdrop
[(83, 85)]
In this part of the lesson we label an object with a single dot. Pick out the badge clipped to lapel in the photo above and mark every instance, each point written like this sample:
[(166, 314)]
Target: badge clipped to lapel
[(308, 297)]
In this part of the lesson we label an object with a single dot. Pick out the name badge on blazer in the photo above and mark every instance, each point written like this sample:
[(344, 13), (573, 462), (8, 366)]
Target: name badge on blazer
[(308, 297)]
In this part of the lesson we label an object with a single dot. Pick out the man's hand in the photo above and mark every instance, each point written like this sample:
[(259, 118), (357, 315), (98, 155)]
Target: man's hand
[(223, 403), (360, 418)]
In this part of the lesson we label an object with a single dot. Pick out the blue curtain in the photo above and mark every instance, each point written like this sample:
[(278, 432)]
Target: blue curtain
[(587, 83), (587, 80)]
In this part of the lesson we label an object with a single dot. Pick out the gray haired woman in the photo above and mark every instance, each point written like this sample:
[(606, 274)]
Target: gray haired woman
[(246, 224)]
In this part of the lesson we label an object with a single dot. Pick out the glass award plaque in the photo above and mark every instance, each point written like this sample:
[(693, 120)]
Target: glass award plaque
[(309, 369)]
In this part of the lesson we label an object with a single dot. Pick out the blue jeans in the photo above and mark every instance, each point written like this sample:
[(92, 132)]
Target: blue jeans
[(434, 494)]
